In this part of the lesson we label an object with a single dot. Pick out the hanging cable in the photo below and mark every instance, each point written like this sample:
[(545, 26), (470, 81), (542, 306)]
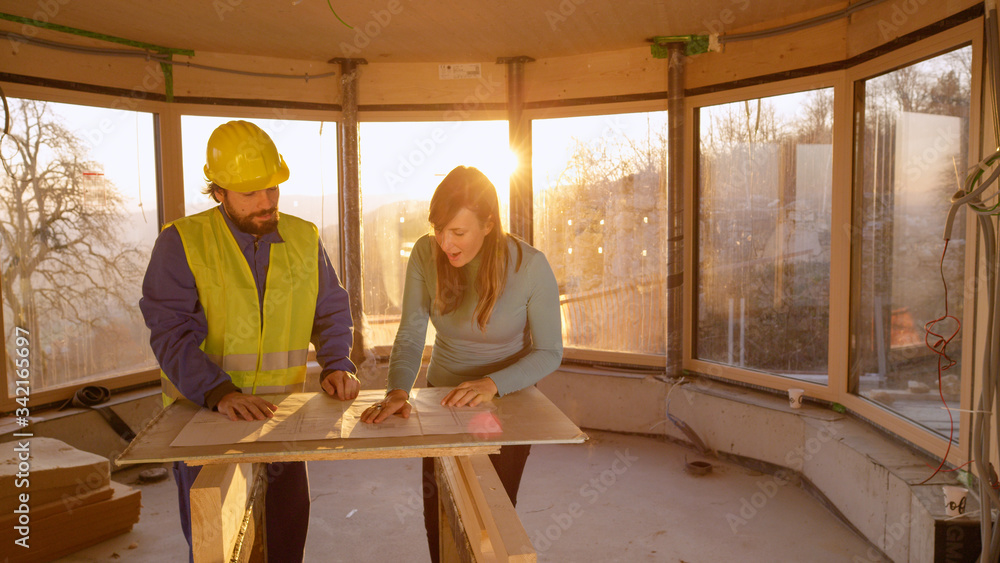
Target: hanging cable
[(6, 131), (152, 56), (798, 26), (349, 26), (940, 347)]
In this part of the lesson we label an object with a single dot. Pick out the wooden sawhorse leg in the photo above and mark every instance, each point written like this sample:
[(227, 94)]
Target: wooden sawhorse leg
[(227, 513), (477, 520)]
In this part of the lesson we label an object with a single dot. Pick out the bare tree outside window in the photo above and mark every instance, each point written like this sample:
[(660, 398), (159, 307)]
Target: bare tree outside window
[(70, 267)]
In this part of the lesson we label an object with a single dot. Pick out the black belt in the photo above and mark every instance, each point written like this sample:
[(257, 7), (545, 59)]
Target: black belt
[(90, 395)]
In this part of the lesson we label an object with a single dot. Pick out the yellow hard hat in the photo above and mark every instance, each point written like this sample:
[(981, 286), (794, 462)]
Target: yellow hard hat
[(241, 157)]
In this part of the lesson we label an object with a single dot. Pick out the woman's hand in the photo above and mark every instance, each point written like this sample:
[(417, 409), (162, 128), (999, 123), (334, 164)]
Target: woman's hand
[(395, 402), (471, 393)]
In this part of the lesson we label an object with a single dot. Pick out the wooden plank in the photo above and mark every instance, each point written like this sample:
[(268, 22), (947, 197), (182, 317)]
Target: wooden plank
[(527, 417), (67, 503), (218, 502), (509, 538), (419, 83), (588, 75), (251, 542), (481, 521), (69, 531), (488, 533), (455, 545), (58, 471), (469, 515)]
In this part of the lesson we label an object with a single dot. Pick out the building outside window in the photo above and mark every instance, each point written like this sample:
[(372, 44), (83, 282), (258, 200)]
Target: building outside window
[(912, 153), (763, 234)]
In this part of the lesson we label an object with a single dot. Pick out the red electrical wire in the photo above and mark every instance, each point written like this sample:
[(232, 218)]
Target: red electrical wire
[(940, 347), (995, 485)]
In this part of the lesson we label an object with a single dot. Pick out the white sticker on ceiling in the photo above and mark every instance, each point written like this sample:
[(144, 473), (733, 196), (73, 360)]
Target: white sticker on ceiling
[(457, 71)]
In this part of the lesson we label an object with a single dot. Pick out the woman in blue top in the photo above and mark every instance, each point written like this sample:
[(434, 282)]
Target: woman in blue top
[(494, 303)]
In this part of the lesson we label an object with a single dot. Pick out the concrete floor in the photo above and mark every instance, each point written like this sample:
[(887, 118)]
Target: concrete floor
[(615, 498)]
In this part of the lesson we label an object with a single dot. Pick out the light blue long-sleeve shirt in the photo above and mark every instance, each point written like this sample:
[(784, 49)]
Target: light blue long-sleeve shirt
[(523, 339)]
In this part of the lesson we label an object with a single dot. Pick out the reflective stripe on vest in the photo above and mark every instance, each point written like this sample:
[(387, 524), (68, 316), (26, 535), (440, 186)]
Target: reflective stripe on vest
[(259, 359)]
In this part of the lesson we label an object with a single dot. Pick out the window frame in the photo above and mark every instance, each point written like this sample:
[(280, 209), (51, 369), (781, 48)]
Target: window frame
[(969, 33), (588, 355), (170, 194), (692, 127), (167, 118), (42, 398), (843, 253)]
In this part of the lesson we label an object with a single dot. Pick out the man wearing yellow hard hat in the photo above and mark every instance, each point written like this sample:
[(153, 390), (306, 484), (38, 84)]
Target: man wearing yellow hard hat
[(232, 297)]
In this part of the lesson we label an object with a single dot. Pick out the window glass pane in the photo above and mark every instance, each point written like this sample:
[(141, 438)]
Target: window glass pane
[(599, 201), (310, 150), (764, 193), (912, 154), (401, 164), (78, 219)]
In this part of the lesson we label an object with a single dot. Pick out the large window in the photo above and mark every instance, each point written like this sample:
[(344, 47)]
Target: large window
[(78, 219), (763, 221), (401, 164), (599, 203), (912, 147), (310, 150)]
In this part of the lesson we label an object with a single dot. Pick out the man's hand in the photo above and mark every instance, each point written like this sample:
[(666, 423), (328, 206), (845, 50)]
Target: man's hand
[(471, 393), (341, 385), (238, 406)]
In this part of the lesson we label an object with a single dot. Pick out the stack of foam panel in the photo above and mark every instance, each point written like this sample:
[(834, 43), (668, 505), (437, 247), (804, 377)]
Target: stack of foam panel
[(56, 500)]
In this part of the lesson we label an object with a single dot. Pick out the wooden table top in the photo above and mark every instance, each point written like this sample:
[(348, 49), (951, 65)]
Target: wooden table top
[(527, 417)]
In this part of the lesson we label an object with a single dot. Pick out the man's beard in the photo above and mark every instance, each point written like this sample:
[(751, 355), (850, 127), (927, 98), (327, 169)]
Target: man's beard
[(247, 224)]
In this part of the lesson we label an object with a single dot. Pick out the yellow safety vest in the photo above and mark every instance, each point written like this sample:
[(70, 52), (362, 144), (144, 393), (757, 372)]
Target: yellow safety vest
[(262, 353)]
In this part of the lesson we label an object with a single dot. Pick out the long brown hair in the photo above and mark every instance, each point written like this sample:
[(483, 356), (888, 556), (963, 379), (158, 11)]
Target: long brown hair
[(467, 187)]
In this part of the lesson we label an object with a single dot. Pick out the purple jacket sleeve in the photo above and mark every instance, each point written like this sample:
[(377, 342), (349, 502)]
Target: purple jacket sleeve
[(332, 335), (177, 323)]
